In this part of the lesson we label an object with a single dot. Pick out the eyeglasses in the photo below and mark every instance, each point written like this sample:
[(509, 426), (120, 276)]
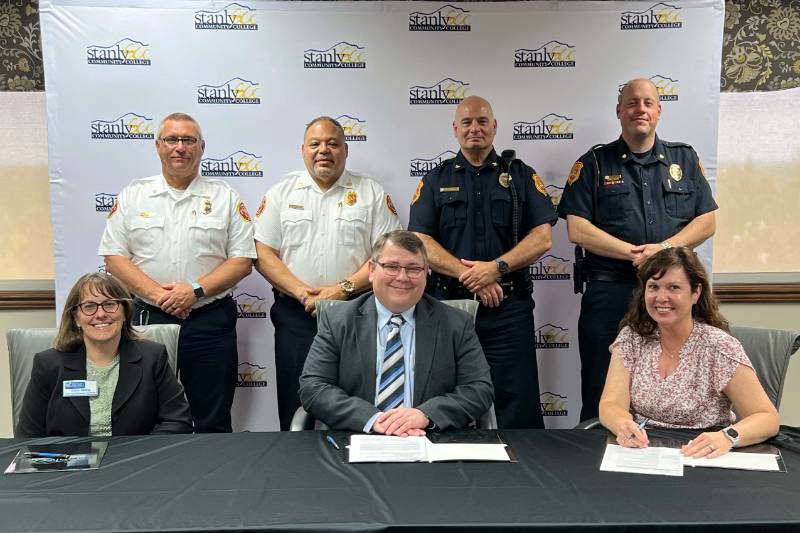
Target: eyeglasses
[(394, 270), (173, 141), (90, 308)]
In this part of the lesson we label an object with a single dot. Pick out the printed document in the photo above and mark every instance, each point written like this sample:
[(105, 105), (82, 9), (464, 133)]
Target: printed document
[(389, 449)]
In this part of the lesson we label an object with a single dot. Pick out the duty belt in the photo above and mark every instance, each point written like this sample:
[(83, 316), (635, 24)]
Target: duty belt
[(452, 289), (607, 275)]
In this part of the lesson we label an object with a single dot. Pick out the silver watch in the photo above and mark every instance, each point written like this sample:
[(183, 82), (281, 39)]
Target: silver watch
[(732, 435)]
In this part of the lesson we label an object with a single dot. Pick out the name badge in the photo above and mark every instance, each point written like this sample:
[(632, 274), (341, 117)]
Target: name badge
[(74, 388)]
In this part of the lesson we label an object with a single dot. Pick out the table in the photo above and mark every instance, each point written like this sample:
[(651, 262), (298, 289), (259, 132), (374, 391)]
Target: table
[(272, 481)]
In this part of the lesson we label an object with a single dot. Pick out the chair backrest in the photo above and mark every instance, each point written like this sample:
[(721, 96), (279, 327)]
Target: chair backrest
[(23, 344), (469, 306), (769, 350)]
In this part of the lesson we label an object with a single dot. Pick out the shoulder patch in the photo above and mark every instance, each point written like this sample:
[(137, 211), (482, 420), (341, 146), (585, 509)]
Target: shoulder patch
[(575, 173), (242, 210), (390, 205), (417, 192), (261, 207), (539, 185), (113, 208)]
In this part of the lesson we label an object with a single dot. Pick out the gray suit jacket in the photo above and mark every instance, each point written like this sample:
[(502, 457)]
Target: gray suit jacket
[(452, 385)]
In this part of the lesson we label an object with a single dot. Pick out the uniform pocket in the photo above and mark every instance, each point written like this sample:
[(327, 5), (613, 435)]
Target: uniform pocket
[(295, 226), (613, 203), (351, 225), (501, 207), (454, 209), (208, 235), (678, 199), (147, 236)]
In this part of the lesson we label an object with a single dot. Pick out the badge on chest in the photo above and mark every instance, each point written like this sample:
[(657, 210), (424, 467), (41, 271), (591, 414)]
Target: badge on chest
[(75, 388)]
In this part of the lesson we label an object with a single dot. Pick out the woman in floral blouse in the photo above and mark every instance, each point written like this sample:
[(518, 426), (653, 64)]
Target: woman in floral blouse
[(674, 364)]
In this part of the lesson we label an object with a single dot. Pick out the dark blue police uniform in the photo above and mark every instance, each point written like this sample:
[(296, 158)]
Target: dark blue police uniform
[(470, 212), (640, 199)]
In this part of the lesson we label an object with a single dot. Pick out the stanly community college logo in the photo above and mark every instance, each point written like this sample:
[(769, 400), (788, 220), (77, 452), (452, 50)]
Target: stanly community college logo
[(550, 267), (340, 55), (420, 167), (234, 16), (104, 201), (667, 88), (128, 126), (551, 54), (234, 91), (553, 404), (354, 128), (126, 51), (239, 164), (659, 16), (446, 91), (251, 375), (549, 127), (250, 306), (446, 18), (551, 336)]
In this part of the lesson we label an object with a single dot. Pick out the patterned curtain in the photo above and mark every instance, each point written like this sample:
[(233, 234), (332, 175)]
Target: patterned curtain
[(761, 46)]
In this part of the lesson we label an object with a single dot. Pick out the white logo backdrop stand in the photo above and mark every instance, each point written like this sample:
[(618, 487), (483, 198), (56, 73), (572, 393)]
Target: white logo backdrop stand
[(359, 61)]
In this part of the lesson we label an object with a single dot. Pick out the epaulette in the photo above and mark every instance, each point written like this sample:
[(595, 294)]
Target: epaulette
[(675, 144)]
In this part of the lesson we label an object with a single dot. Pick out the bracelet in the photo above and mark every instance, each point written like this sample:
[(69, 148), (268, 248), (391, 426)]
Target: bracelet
[(665, 245)]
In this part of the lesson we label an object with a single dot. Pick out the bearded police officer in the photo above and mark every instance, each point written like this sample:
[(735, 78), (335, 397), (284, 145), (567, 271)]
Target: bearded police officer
[(484, 220), (314, 233), (180, 242), (623, 202)]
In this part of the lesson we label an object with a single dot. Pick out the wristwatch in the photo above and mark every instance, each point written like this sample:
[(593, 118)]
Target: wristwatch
[(732, 435), (198, 290), (502, 266), (348, 287)]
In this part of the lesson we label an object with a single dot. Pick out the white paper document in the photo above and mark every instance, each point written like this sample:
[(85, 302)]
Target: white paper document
[(670, 461), (383, 449), (655, 460), (738, 460)]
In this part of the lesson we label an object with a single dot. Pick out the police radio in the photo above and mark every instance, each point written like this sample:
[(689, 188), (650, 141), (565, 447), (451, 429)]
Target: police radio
[(508, 156)]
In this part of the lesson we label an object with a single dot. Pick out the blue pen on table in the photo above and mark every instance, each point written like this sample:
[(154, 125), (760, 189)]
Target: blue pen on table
[(48, 455), (332, 442)]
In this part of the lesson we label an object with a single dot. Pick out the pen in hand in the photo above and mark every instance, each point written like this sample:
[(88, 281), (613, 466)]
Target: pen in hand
[(332, 442), (642, 424)]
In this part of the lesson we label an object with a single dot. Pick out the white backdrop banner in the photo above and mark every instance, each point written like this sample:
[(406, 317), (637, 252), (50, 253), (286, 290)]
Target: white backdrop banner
[(253, 73)]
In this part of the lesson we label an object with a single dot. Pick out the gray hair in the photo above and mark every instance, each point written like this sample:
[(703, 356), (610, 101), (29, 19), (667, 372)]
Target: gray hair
[(180, 117), (325, 118)]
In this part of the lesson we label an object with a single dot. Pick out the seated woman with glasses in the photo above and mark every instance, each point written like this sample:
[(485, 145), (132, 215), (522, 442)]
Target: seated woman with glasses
[(674, 364), (100, 379)]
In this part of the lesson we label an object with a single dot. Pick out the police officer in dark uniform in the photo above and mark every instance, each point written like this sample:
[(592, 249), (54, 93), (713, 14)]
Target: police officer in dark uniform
[(623, 202), (484, 220)]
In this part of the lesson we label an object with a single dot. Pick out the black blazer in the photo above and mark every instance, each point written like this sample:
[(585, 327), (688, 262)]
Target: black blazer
[(148, 398)]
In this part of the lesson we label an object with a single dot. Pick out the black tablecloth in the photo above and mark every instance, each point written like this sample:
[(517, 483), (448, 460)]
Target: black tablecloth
[(267, 481)]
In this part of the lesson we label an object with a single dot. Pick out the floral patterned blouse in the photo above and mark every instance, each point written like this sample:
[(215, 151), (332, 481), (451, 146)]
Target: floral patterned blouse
[(691, 396)]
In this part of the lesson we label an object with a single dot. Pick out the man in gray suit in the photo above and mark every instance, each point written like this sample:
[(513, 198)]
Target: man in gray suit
[(398, 361)]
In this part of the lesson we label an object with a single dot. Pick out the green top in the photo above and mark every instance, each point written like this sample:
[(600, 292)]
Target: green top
[(100, 405)]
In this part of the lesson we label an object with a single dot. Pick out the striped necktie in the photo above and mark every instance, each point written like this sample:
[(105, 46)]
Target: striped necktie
[(392, 378)]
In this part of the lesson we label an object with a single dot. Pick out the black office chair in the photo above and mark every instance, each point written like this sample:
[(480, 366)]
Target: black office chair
[(768, 349)]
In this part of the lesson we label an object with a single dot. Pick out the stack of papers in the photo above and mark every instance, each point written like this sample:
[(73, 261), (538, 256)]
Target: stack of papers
[(383, 449), (670, 461)]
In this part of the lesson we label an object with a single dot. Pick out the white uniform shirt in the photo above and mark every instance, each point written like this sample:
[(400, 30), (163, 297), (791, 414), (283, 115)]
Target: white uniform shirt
[(324, 237), (178, 240)]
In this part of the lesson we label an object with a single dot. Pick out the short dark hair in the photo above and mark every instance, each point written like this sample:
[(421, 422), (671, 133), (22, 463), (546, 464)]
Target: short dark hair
[(69, 336), (407, 240), (706, 309), (325, 118)]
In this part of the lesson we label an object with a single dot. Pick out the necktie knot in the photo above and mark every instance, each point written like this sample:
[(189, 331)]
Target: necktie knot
[(396, 320)]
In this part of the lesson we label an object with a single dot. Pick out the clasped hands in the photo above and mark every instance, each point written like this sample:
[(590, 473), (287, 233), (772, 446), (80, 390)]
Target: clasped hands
[(177, 299), (481, 278), (709, 444), (643, 252), (402, 422), (309, 296)]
